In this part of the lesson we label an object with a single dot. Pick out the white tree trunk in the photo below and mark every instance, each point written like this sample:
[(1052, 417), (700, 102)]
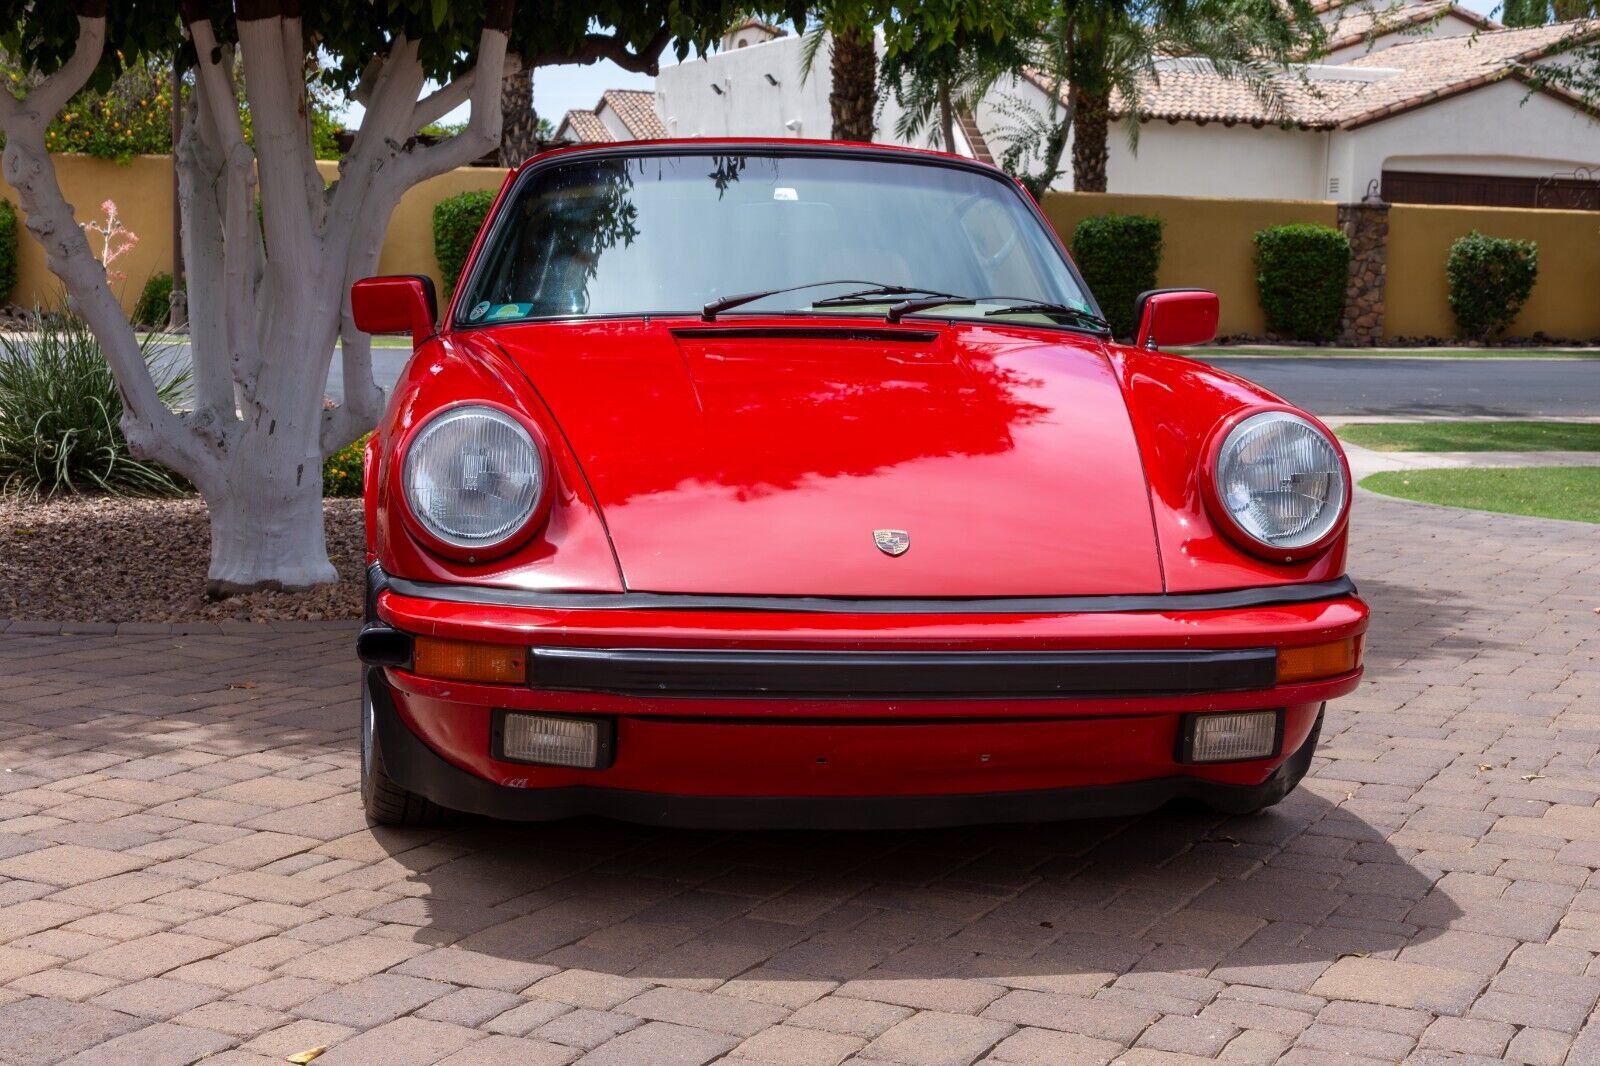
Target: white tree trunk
[(266, 308)]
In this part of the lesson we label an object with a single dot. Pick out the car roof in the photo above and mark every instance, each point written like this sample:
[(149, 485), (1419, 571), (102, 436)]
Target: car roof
[(767, 146)]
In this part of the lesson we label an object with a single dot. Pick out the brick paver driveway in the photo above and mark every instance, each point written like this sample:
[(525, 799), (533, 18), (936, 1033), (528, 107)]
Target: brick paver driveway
[(184, 871)]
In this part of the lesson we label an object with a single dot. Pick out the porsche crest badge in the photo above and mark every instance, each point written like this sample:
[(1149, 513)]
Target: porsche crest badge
[(891, 541)]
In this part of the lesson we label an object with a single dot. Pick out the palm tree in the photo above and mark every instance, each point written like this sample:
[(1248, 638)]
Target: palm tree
[(519, 127), (932, 82), (846, 27), (1091, 54), (853, 98)]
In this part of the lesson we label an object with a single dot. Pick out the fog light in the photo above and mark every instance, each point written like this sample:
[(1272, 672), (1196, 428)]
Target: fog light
[(1318, 660), (1229, 737), (554, 740), (461, 660)]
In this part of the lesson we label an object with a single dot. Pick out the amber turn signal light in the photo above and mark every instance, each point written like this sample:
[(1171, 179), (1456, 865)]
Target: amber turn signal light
[(461, 660), (1318, 660)]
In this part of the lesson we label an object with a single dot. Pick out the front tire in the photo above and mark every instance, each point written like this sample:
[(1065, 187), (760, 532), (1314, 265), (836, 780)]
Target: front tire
[(385, 802)]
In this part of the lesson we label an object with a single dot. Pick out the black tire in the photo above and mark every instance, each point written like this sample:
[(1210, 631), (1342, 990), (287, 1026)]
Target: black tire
[(387, 803)]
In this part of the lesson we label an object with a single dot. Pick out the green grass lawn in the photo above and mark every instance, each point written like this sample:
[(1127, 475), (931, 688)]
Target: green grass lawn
[(1392, 353), (1571, 492), (1474, 436)]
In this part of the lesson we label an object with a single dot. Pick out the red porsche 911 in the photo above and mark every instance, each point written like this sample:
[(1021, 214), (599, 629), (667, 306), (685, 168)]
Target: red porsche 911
[(774, 483)]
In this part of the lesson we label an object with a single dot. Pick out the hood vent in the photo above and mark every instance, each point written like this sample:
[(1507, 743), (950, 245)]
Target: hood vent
[(818, 333)]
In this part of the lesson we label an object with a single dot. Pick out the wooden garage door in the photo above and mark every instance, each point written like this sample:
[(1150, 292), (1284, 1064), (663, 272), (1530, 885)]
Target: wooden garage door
[(1489, 190)]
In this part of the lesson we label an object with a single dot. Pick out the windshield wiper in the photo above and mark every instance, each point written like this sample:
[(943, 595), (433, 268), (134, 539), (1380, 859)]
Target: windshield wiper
[(711, 310), (1075, 314), (1081, 317), (872, 296)]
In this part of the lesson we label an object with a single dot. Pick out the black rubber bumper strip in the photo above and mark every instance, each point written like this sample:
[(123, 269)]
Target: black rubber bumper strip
[(1231, 599), (415, 766), (785, 674)]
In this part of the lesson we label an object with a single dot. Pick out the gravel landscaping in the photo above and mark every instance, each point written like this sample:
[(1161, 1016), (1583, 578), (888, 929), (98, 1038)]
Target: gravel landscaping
[(101, 559)]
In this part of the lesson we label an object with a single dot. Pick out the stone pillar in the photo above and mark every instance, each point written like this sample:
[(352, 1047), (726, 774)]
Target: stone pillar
[(1367, 226)]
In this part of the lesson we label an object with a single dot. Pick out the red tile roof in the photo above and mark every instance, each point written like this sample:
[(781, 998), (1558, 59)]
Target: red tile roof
[(637, 110), (1364, 90), (587, 128), (1357, 23)]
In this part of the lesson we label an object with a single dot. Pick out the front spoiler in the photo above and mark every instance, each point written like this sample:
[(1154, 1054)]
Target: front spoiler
[(413, 765)]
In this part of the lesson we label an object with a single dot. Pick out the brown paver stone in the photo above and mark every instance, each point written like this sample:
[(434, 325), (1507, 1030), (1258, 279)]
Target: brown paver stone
[(661, 1044), (184, 871), (1399, 984), (37, 1030)]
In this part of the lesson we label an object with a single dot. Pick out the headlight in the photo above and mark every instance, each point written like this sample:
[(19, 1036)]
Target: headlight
[(472, 477), (1280, 480)]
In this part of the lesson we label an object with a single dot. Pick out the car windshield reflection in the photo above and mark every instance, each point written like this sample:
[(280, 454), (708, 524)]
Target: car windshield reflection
[(669, 234)]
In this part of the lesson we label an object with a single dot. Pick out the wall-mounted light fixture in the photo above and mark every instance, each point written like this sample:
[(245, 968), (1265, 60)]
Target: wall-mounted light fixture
[(716, 88), (770, 79)]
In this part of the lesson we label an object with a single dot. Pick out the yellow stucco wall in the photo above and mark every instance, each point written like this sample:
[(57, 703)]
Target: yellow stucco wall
[(1207, 241), (1564, 301), (142, 190)]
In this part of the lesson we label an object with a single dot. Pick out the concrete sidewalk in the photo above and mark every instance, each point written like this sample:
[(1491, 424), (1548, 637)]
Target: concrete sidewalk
[(1364, 461)]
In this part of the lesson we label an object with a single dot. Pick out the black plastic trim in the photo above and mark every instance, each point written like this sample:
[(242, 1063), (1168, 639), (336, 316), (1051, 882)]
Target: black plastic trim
[(785, 674), (1232, 599), (412, 765), (382, 645)]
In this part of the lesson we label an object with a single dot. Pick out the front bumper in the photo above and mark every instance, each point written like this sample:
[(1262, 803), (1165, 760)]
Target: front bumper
[(414, 766), (731, 715)]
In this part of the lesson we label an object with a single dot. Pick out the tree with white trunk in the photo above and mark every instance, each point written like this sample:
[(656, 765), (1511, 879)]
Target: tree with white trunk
[(268, 293)]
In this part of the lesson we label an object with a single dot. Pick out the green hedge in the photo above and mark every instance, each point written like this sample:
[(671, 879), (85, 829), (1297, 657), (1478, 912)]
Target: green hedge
[(8, 249), (154, 308), (1302, 271), (1118, 256), (1490, 279), (456, 221)]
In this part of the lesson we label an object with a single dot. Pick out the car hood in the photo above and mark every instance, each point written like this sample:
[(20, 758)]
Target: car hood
[(765, 457)]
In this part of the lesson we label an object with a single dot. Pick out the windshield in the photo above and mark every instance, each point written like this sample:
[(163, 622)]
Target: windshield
[(668, 234)]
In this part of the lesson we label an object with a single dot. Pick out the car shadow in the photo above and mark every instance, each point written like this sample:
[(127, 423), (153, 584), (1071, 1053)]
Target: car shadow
[(1413, 626), (1267, 899)]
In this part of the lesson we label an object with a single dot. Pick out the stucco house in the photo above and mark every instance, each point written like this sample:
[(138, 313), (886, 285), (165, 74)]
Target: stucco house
[(1442, 117), (1420, 101), (621, 115)]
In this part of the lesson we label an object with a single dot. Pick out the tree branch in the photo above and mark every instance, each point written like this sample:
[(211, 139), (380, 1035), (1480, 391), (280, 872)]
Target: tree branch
[(445, 99), (419, 162), (152, 429), (599, 46), (242, 256)]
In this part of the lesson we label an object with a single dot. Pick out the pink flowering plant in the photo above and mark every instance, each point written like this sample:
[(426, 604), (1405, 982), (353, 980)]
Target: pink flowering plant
[(116, 240)]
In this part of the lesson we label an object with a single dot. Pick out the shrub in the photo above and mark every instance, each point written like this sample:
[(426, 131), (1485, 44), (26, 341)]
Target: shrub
[(8, 249), (456, 221), (1302, 271), (155, 302), (1118, 256), (60, 412), (341, 471), (1490, 279)]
